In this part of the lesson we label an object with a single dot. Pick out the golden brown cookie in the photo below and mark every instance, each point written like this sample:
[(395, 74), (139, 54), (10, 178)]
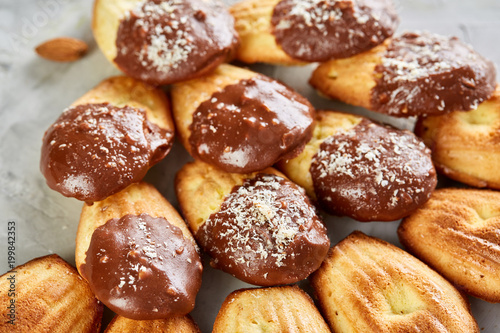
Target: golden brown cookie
[(369, 172), (184, 324), (293, 31), (413, 74), (107, 139), (273, 310), (259, 227), (138, 255), (368, 285), (47, 294), (164, 41), (465, 144), (241, 121), (456, 233)]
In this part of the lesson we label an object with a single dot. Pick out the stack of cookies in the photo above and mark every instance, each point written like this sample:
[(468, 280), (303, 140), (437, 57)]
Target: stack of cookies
[(266, 166)]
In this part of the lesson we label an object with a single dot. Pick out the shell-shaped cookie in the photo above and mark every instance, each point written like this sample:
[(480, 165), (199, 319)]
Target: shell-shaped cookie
[(183, 324), (164, 41), (46, 294), (465, 144), (259, 227), (273, 310), (107, 139), (369, 172), (239, 120), (368, 285), (138, 255), (293, 31), (456, 233), (413, 74)]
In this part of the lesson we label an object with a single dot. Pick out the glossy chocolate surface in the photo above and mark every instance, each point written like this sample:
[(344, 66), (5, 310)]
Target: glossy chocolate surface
[(142, 267), (95, 150), (251, 125)]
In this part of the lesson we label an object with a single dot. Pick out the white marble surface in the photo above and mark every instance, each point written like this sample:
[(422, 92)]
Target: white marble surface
[(33, 92)]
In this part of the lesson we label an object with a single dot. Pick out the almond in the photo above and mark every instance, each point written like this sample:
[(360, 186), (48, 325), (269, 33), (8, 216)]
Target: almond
[(62, 49)]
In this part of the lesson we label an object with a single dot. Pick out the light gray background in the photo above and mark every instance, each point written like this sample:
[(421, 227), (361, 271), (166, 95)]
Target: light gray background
[(33, 93)]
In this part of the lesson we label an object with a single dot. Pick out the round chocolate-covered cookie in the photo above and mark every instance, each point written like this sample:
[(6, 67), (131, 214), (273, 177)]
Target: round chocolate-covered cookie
[(364, 170), (241, 121), (164, 41), (259, 227)]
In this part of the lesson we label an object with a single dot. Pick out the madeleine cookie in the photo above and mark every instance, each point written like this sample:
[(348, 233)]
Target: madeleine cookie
[(465, 145), (273, 310), (291, 31), (368, 285), (164, 41), (413, 74), (184, 324), (46, 294), (241, 121), (456, 232), (107, 139), (363, 170), (259, 227), (138, 255)]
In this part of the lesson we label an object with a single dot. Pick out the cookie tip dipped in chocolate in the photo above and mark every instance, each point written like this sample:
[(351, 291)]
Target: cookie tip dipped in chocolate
[(107, 139), (364, 170), (259, 227), (413, 74), (241, 121), (292, 32), (138, 255), (164, 41)]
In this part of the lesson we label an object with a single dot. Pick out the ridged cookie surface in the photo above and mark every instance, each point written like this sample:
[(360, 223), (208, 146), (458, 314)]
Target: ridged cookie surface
[(274, 310), (183, 324), (49, 296), (369, 285), (465, 144), (456, 233)]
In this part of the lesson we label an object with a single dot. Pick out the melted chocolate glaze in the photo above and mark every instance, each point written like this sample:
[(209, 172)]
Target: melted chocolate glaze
[(373, 173), (265, 233), (167, 41), (143, 268), (95, 150), (319, 30), (427, 74), (251, 125)]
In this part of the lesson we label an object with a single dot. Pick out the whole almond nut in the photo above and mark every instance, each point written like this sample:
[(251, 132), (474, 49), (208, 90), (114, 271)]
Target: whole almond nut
[(62, 49)]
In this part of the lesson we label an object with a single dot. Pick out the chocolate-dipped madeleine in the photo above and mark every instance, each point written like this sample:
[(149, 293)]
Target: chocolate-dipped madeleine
[(138, 255), (164, 41), (259, 227), (107, 139), (369, 172), (239, 120), (413, 74)]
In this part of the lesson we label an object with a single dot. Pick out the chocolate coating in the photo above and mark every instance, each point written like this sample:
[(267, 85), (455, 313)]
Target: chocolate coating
[(143, 268), (167, 41), (265, 233), (319, 30), (428, 74), (95, 150), (373, 173), (251, 125)]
